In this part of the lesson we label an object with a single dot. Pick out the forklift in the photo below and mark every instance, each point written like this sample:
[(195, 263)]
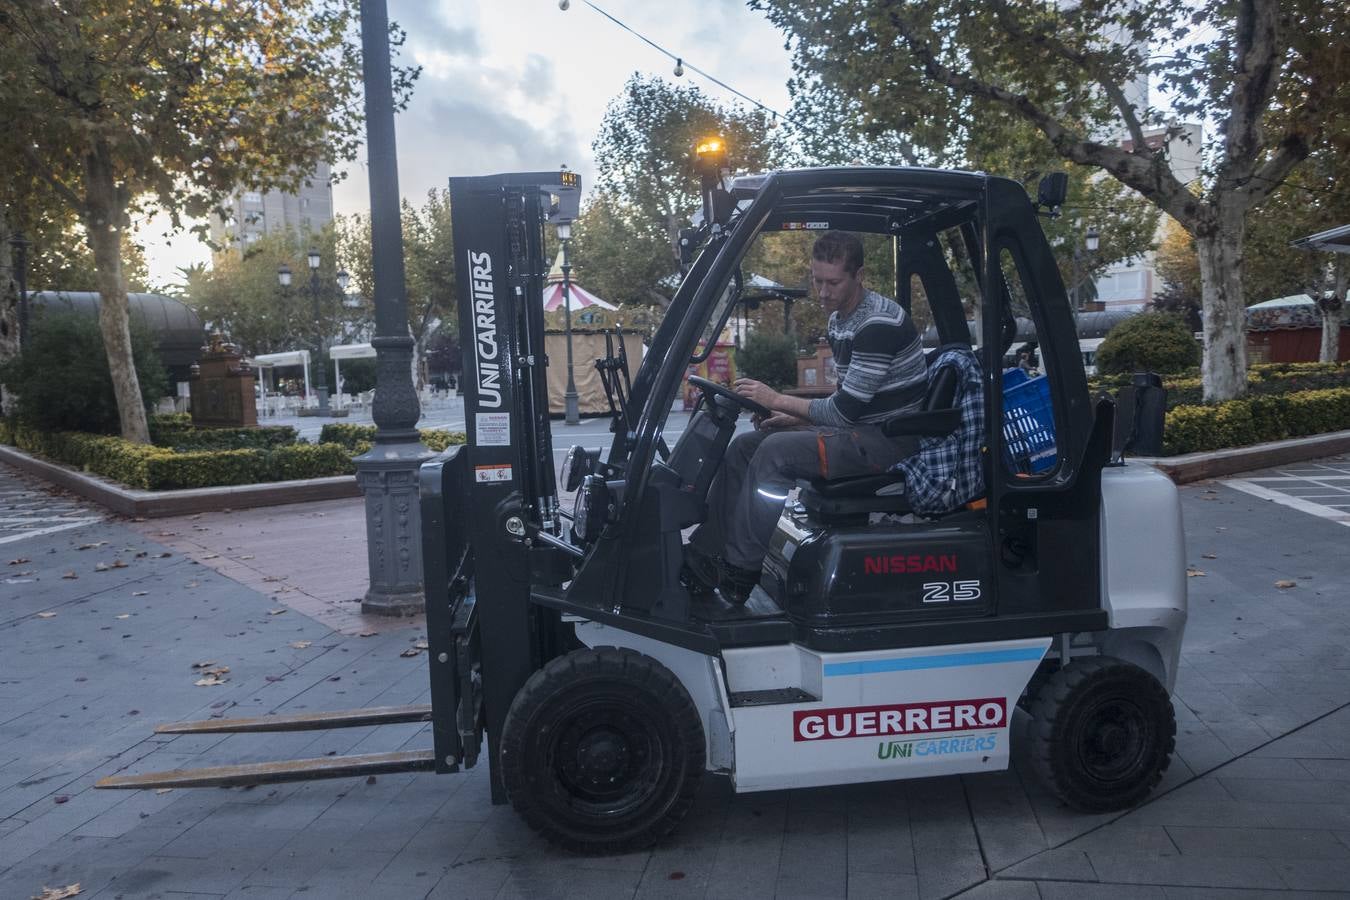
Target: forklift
[(881, 643)]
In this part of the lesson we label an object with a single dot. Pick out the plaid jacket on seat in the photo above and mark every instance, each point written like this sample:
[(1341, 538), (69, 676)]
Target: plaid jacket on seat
[(948, 472)]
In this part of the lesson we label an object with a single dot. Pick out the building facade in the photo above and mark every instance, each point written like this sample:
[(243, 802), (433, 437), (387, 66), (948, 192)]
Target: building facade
[(252, 214)]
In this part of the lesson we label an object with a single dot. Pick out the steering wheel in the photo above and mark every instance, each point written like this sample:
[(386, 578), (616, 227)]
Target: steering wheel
[(712, 388)]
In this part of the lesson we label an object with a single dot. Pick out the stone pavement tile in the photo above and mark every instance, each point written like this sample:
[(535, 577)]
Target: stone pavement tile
[(1126, 837), (1257, 843), (527, 882), (1002, 890), (63, 861), (681, 864), (1007, 826), (1287, 790), (259, 892), (1195, 871), (219, 874), (1315, 874), (879, 841), (1307, 815), (1186, 811), (1192, 893), (814, 861), (1060, 864), (472, 880), (939, 816), (882, 886), (944, 871), (750, 853), (429, 854), (1264, 767), (1061, 890), (1326, 769)]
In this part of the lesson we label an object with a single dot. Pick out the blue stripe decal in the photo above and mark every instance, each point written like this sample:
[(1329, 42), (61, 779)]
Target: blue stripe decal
[(946, 661)]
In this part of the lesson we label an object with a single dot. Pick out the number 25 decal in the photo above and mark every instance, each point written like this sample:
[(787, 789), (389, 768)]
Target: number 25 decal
[(947, 591)]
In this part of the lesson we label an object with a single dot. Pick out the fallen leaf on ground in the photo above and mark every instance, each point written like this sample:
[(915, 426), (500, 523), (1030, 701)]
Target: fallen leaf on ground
[(124, 616), (162, 790), (411, 651), (165, 555), (1194, 573), (275, 578), (92, 546), (20, 561), (1208, 556), (275, 612), (47, 615), (49, 893), (19, 580), (70, 575), (1286, 584), (139, 593), (118, 564), (421, 645), (204, 665), (101, 567), (300, 645), (210, 681), (273, 677), (211, 556), (193, 584), (61, 798), (24, 572), (368, 634), (247, 556)]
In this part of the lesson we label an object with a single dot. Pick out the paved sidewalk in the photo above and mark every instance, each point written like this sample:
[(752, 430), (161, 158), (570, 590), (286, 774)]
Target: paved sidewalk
[(1257, 802)]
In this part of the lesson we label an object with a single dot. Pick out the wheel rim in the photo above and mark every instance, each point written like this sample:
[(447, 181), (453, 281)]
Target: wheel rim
[(1112, 740), (606, 761)]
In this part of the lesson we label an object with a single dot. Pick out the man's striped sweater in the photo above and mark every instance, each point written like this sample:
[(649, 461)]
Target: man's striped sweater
[(880, 365)]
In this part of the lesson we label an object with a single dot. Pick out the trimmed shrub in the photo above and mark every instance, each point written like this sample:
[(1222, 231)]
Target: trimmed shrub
[(770, 357), (1149, 342), (204, 468), (61, 380), (263, 437), (1252, 420), (1267, 379), (308, 461), (353, 437)]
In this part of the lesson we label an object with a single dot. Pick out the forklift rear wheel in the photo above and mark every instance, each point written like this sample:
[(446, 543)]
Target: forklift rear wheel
[(601, 751), (1102, 734)]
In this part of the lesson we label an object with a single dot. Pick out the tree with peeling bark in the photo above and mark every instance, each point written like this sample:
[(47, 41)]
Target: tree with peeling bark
[(1269, 75), (120, 106)]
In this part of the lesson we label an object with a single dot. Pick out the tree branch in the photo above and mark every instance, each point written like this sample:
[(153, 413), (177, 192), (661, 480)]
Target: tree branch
[(45, 173), (1293, 149), (1157, 183), (1255, 67)]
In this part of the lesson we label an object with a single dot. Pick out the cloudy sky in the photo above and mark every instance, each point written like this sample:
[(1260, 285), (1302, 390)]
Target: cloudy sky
[(519, 85)]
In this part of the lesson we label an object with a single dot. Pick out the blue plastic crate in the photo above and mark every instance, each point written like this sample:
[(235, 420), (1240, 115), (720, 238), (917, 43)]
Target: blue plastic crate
[(1028, 423)]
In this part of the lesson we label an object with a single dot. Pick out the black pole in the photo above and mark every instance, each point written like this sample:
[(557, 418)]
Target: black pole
[(571, 403), (321, 373), (20, 248), (396, 409)]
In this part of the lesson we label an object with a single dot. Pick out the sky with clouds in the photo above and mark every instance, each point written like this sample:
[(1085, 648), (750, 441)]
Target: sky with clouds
[(520, 85)]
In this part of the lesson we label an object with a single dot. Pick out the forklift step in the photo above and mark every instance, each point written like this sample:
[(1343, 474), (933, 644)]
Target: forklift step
[(773, 697), (280, 771), (319, 721)]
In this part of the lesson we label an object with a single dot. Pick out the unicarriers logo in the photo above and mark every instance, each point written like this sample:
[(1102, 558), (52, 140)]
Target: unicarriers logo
[(485, 330)]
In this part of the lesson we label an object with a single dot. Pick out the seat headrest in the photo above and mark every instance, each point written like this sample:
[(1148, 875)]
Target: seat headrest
[(941, 392)]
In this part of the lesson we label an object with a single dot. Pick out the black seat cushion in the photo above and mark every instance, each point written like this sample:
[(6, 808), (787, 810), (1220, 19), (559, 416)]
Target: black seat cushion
[(857, 486)]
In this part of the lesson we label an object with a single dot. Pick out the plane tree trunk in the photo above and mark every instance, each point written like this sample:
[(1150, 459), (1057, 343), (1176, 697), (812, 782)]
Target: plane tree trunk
[(1218, 244)]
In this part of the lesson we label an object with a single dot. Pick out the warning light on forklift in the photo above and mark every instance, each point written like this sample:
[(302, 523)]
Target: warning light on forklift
[(711, 154)]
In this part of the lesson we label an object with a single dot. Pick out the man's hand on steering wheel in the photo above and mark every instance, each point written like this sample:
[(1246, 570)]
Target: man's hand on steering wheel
[(758, 392)]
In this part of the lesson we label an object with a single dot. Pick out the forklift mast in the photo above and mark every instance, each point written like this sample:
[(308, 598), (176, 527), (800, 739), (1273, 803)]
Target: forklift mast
[(497, 493)]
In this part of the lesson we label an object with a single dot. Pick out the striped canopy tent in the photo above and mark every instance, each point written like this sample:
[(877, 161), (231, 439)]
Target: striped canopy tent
[(577, 296)]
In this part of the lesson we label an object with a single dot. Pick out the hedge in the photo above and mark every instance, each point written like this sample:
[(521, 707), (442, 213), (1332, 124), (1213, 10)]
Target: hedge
[(189, 437), (161, 468), (1254, 420), (1262, 380), (355, 437)]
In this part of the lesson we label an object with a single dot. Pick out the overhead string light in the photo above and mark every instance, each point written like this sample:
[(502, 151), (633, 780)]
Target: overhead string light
[(681, 65)]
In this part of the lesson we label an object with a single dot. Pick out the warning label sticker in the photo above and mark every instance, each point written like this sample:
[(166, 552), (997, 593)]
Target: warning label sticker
[(492, 429), (489, 474)]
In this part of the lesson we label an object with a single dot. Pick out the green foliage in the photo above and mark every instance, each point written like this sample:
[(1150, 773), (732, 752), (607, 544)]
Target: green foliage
[(353, 437), (770, 357), (1185, 389), (62, 380), (358, 375), (308, 461), (1151, 342), (188, 437), (240, 296), (1237, 423)]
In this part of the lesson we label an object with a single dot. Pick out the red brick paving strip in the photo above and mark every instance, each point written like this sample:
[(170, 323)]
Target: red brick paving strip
[(310, 557)]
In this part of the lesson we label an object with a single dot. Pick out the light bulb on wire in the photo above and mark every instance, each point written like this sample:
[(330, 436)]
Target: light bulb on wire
[(679, 67), (564, 5)]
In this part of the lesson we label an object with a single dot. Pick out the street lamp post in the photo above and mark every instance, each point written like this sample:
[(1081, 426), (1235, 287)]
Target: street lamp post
[(571, 405), (388, 473), (20, 248), (1091, 240), (321, 366)]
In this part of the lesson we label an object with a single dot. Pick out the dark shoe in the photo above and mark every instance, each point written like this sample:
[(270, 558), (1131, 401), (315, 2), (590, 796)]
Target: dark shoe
[(700, 573), (737, 583)]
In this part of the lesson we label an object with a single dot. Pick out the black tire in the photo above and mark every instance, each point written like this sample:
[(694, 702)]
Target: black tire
[(1102, 734), (602, 750)]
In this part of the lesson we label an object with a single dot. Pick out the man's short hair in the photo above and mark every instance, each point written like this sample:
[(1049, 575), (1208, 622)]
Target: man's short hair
[(834, 246)]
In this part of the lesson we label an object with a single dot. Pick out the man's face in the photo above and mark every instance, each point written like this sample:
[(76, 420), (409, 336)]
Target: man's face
[(836, 288)]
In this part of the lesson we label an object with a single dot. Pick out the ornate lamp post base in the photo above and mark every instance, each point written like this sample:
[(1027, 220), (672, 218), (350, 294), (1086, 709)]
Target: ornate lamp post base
[(387, 475)]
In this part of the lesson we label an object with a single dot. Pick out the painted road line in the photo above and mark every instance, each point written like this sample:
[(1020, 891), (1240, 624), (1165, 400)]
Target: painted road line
[(36, 532), (1313, 509)]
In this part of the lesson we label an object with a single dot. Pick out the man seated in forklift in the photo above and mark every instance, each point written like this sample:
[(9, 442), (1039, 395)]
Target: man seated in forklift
[(880, 362)]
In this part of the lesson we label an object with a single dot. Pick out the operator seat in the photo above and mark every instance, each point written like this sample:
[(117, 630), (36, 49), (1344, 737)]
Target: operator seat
[(842, 499)]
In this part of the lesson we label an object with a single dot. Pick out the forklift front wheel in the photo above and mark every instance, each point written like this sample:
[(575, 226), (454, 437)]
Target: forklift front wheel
[(601, 751), (1102, 734)]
